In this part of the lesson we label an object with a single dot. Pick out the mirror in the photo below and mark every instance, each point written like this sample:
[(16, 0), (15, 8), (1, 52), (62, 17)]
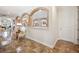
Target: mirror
[(25, 23), (39, 17), (5, 22), (25, 18), (5, 28)]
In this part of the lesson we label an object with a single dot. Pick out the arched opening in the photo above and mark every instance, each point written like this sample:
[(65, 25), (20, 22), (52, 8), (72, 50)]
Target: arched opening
[(39, 17)]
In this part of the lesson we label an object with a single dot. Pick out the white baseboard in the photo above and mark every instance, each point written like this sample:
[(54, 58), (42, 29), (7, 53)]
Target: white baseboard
[(51, 46)]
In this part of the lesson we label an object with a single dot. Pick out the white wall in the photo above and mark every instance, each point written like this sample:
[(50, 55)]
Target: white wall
[(47, 36), (67, 17), (62, 24)]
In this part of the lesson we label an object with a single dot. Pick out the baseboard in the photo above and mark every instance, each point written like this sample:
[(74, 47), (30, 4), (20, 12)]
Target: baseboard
[(50, 46)]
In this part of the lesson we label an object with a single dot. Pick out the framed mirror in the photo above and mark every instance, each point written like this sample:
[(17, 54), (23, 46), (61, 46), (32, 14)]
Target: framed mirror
[(39, 17), (25, 18), (6, 25)]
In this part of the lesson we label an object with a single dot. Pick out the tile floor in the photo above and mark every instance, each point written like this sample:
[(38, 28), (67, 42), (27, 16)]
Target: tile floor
[(30, 46)]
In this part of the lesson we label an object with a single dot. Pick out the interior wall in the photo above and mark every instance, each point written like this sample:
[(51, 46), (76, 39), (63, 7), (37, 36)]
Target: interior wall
[(78, 25), (67, 17), (48, 36), (62, 24)]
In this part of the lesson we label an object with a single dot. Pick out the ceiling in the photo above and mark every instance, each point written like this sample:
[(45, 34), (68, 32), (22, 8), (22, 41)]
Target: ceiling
[(15, 10)]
